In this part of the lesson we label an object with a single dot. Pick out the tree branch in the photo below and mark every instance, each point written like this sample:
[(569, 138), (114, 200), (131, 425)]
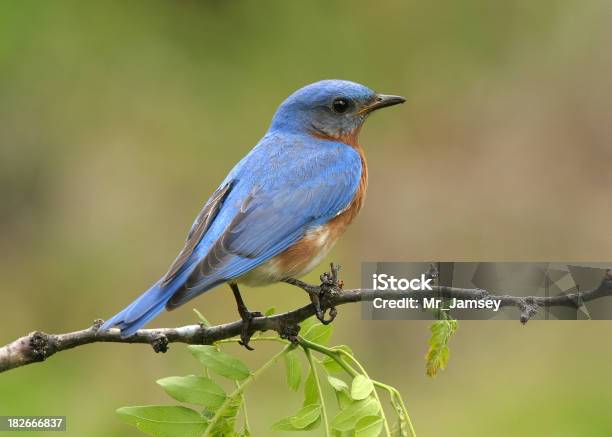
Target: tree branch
[(38, 346)]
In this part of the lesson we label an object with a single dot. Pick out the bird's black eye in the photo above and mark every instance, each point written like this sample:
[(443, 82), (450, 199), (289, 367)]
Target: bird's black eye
[(341, 105)]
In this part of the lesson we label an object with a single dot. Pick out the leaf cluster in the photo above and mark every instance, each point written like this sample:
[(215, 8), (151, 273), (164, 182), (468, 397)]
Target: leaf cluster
[(332, 373)]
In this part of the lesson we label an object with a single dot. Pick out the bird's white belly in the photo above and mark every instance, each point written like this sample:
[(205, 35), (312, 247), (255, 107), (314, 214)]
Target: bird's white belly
[(292, 265)]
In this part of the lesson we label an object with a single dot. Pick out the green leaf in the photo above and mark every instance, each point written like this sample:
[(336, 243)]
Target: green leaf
[(341, 390), (293, 368), (164, 421), (369, 426), (313, 425), (270, 311), (344, 399), (346, 419), (308, 323), (306, 416), (194, 389), (438, 354), (330, 365), (337, 384), (311, 392), (203, 320), (319, 333), (220, 362), (285, 425), (361, 387), (225, 426)]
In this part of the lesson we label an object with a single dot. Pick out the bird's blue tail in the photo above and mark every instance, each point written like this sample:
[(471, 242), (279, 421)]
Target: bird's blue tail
[(148, 305)]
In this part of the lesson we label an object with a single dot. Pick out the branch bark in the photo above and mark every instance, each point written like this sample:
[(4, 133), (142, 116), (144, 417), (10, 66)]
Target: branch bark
[(38, 346)]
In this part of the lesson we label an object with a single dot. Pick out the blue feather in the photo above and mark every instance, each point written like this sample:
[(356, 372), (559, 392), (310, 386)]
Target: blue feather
[(289, 183)]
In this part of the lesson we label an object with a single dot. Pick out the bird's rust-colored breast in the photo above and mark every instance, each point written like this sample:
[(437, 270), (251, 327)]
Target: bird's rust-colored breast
[(302, 256), (339, 223)]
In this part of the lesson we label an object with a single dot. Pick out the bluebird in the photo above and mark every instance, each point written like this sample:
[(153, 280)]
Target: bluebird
[(280, 209)]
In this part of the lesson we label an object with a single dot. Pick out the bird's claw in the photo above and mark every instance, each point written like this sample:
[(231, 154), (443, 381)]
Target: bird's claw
[(247, 329), (315, 298), (330, 285), (322, 295), (333, 312)]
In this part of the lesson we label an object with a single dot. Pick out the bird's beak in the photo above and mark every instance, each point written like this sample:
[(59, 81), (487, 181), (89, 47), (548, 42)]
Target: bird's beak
[(382, 101)]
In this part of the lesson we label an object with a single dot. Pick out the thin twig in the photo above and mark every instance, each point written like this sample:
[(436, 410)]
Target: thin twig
[(38, 346)]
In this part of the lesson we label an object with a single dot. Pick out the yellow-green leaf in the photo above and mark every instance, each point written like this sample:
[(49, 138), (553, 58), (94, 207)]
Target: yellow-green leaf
[(369, 426), (194, 389), (203, 320), (308, 323), (319, 333), (220, 362), (164, 421), (311, 392), (285, 425), (331, 365), (361, 387), (346, 419), (270, 311), (438, 354), (293, 370), (337, 384), (306, 416)]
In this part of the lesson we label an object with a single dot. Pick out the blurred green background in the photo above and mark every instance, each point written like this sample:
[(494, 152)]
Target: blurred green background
[(119, 119)]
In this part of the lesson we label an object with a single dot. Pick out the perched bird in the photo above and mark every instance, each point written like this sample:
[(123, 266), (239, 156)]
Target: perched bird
[(281, 208)]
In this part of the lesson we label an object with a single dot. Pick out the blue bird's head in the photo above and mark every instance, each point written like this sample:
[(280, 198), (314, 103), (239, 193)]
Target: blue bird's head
[(333, 109)]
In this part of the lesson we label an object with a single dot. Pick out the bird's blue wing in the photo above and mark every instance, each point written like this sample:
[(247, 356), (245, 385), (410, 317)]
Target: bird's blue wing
[(276, 209), (282, 188), (198, 229)]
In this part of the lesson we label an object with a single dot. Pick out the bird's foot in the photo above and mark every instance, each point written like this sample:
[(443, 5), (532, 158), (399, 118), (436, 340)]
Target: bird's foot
[(330, 286), (246, 316), (322, 295), (247, 327)]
